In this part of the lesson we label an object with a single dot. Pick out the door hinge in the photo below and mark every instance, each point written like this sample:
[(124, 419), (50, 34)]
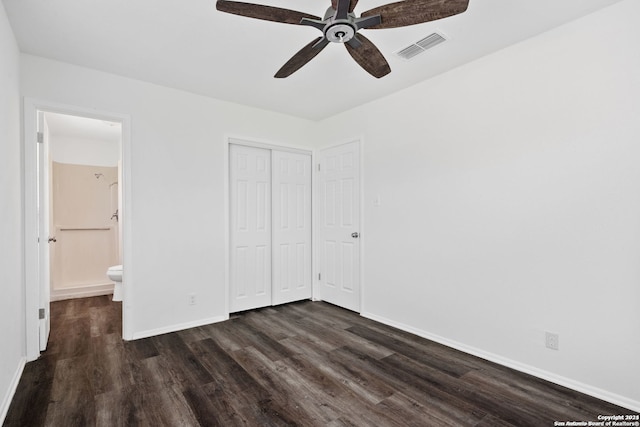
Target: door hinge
[(41, 313), (318, 167), (319, 276), (40, 137)]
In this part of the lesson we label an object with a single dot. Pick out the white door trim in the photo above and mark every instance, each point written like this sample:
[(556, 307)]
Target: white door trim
[(252, 142), (267, 144), (30, 108)]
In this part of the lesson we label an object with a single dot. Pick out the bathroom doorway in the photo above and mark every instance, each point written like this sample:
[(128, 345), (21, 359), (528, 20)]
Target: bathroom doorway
[(76, 192), (83, 166)]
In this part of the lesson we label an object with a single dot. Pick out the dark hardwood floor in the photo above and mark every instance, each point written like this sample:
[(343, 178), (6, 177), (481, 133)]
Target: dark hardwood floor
[(307, 363)]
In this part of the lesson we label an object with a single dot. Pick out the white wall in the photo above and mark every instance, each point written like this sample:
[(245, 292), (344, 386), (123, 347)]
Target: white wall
[(177, 163), (510, 199), (82, 151), (12, 333), (510, 193)]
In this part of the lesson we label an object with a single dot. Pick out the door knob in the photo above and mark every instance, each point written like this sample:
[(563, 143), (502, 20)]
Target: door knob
[(355, 235), (52, 239)]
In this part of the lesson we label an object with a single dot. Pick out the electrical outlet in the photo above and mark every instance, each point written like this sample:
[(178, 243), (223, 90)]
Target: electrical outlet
[(192, 299), (552, 340)]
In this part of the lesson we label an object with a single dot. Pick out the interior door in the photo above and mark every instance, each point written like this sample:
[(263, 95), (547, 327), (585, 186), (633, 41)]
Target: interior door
[(291, 185), (44, 237), (339, 225), (250, 227)]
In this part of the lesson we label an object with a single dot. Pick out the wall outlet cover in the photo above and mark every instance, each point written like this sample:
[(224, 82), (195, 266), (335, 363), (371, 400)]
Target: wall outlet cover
[(552, 341)]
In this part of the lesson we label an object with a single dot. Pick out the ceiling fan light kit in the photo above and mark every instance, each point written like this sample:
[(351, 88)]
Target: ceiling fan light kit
[(340, 25)]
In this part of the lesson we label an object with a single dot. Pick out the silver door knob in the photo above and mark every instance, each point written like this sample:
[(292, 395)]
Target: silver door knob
[(355, 235), (52, 239)]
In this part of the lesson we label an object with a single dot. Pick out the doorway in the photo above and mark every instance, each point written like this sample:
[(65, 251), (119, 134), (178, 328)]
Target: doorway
[(339, 225), (83, 167), (37, 227)]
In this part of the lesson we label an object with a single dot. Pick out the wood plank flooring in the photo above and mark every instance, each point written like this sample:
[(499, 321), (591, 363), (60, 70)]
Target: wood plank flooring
[(307, 364)]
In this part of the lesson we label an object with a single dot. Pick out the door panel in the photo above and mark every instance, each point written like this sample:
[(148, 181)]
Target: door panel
[(250, 227), (291, 227), (44, 226), (339, 218)]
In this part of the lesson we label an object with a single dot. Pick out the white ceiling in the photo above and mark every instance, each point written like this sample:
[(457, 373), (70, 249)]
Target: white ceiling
[(189, 45), (63, 125)]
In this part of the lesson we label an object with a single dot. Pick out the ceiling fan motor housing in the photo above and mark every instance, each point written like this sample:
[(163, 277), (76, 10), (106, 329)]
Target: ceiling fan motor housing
[(339, 32)]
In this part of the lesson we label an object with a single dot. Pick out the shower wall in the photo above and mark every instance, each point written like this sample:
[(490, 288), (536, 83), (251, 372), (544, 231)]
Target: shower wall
[(84, 199)]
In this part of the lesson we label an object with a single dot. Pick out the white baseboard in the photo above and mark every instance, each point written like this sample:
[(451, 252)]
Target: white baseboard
[(599, 393), (179, 327), (6, 402), (82, 291)]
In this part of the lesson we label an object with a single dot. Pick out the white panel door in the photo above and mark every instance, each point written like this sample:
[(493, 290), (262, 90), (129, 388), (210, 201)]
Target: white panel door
[(250, 227), (44, 231), (339, 225), (291, 226)]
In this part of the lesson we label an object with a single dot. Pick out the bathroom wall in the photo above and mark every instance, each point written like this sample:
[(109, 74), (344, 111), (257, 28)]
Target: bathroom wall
[(12, 304), (95, 149), (85, 151), (84, 198), (84, 180)]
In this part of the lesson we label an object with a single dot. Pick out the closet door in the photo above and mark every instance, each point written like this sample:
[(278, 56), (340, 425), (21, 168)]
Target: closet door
[(291, 226), (250, 227)]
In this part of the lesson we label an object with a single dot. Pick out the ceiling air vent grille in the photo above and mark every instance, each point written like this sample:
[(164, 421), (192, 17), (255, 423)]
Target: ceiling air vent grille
[(420, 46)]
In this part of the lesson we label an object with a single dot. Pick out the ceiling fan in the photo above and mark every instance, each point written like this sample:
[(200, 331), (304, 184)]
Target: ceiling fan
[(340, 25)]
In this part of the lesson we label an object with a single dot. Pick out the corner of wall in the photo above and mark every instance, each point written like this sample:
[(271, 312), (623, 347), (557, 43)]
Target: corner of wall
[(11, 391)]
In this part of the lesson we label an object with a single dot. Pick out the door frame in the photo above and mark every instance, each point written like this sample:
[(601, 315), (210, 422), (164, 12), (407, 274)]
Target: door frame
[(253, 142), (316, 227), (31, 106)]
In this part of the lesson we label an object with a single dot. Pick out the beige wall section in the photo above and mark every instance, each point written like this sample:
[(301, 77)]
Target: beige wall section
[(84, 199)]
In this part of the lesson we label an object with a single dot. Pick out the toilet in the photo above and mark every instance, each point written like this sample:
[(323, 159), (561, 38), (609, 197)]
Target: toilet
[(115, 274)]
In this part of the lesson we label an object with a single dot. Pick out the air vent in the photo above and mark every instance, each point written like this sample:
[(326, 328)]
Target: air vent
[(420, 46)]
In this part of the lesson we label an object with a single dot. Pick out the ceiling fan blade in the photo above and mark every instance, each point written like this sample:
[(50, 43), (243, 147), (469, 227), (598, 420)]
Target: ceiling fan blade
[(266, 13), (411, 12), (303, 56), (368, 56)]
